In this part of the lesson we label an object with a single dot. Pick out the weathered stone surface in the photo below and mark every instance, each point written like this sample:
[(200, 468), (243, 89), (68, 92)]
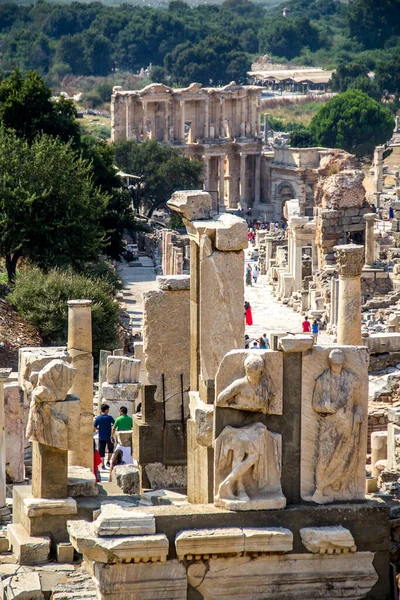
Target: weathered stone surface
[(124, 438), (122, 369), (204, 417), (267, 539), (334, 423), (121, 392), (224, 540), (15, 424), (221, 305), (341, 190), (162, 477), (65, 552), (27, 550), (81, 482), (328, 540), (231, 233), (166, 337), (296, 343), (24, 586), (79, 585), (294, 576), (191, 205), (32, 360), (38, 507), (110, 549), (173, 283), (127, 478), (117, 521), (148, 581)]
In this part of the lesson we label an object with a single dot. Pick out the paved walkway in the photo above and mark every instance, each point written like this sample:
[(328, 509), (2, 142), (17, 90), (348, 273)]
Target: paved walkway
[(269, 315), (137, 281)]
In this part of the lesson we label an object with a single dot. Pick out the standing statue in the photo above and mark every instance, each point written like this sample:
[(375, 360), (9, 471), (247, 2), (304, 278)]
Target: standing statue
[(336, 399), (251, 392), (53, 414)]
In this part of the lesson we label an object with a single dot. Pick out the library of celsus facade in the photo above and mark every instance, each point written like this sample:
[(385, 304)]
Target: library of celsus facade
[(222, 128)]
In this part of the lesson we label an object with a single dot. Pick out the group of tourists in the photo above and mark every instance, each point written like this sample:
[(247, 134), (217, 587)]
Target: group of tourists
[(311, 327), (251, 274), (106, 427), (260, 343)]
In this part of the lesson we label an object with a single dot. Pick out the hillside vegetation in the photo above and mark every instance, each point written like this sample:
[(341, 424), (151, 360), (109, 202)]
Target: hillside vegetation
[(209, 43)]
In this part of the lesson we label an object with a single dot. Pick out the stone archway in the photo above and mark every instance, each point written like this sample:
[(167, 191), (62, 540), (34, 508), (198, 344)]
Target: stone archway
[(285, 191)]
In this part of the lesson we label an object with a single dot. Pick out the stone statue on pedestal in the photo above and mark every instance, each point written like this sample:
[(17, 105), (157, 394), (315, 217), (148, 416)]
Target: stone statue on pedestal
[(336, 399), (54, 415)]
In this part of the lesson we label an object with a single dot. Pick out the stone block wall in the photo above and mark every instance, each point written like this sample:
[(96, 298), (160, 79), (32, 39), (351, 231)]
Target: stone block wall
[(375, 282), (335, 227)]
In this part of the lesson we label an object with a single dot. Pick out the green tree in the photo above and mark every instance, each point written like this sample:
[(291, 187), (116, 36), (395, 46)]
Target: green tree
[(352, 121), (372, 23), (50, 211), (26, 108), (354, 76), (162, 170)]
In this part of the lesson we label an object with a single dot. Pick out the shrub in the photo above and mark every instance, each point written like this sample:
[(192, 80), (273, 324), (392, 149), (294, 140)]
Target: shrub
[(42, 299), (102, 269)]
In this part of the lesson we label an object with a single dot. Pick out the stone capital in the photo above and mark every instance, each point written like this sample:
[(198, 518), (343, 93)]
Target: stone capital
[(350, 259), (370, 217)]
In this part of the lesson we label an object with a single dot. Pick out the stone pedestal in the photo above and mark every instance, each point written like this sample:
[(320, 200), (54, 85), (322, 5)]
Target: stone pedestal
[(350, 260), (49, 471), (80, 350), (379, 441), (369, 238)]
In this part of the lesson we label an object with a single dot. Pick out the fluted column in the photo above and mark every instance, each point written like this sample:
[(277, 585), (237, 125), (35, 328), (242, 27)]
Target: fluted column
[(350, 261), (4, 511)]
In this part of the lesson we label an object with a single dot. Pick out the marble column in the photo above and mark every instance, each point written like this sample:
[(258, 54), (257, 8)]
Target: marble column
[(378, 168), (80, 350), (127, 117), (257, 178), (145, 117), (206, 119), (350, 261), (243, 157), (182, 122), (221, 187), (206, 184), (369, 238), (222, 130), (166, 121), (266, 115), (4, 511)]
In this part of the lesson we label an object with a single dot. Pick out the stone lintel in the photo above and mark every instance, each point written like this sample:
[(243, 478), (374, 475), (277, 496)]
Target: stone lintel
[(171, 283), (37, 507), (233, 540), (350, 259), (296, 343)]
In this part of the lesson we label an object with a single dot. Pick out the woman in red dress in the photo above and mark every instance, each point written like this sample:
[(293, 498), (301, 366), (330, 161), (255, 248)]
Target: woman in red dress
[(248, 314)]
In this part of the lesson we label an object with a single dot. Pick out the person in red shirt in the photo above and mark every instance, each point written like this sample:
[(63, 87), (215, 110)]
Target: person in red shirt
[(96, 462), (306, 325)]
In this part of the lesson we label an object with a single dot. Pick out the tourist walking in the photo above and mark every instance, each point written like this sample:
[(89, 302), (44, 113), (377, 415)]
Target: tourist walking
[(248, 314), (266, 342), (391, 213), (255, 273), (261, 343), (306, 325), (315, 329), (248, 275), (103, 424)]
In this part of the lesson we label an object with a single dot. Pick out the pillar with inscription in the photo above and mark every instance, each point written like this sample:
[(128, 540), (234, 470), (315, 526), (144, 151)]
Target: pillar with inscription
[(369, 238), (80, 350), (350, 261)]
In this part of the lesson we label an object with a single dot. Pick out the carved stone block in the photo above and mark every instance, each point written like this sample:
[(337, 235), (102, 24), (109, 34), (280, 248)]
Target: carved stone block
[(334, 424)]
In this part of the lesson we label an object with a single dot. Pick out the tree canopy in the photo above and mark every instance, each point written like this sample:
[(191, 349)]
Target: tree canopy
[(50, 211), (162, 170), (352, 121)]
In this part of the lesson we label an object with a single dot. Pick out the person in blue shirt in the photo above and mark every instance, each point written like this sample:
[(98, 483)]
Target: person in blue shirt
[(103, 424), (314, 329)]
